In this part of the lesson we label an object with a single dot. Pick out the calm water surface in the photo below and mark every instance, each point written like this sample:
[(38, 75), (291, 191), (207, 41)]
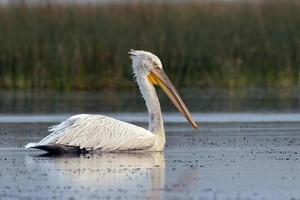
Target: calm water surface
[(247, 147), (218, 161), (255, 100)]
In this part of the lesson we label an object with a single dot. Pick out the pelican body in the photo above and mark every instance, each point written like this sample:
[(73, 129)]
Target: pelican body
[(98, 132)]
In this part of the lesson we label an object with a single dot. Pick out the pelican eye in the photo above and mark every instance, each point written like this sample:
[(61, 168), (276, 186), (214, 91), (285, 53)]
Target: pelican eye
[(155, 65)]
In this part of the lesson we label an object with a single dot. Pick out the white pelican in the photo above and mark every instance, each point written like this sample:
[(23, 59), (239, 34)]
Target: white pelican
[(98, 132)]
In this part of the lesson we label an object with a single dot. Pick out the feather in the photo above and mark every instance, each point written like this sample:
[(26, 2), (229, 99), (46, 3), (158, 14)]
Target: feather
[(95, 132), (56, 149)]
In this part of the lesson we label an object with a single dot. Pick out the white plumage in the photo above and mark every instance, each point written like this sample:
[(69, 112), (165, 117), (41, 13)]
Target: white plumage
[(97, 132)]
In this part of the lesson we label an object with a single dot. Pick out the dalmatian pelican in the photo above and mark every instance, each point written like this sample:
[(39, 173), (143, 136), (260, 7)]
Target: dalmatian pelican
[(98, 132)]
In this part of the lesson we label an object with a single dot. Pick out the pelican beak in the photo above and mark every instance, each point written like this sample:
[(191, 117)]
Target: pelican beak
[(158, 77)]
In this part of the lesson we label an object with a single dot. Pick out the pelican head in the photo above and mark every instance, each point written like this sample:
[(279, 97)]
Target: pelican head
[(148, 66)]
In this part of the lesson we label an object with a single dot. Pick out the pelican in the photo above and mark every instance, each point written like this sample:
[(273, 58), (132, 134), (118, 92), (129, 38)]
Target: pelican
[(98, 132)]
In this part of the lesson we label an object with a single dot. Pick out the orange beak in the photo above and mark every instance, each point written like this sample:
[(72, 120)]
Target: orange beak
[(158, 77)]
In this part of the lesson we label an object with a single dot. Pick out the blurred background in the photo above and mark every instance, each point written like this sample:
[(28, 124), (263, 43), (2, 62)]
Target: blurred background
[(222, 55), (235, 63)]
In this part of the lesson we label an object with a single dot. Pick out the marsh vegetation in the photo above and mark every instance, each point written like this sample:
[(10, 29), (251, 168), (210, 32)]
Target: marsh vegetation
[(204, 44)]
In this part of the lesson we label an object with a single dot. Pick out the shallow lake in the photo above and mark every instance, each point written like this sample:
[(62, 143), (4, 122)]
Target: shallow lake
[(247, 147)]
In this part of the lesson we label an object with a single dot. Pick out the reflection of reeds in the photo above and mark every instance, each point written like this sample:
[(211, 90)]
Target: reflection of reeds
[(202, 44)]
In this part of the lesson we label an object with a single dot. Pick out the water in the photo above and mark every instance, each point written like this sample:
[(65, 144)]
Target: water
[(247, 147), (218, 161), (252, 100)]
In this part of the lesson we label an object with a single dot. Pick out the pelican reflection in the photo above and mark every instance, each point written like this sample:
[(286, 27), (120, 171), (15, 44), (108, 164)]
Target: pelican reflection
[(139, 173)]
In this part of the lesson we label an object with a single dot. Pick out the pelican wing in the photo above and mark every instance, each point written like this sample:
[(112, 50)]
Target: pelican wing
[(98, 132)]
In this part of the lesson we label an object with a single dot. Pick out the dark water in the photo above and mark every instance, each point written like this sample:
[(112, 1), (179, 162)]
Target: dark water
[(198, 100)]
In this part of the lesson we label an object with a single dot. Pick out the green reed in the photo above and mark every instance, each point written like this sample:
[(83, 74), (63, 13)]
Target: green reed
[(200, 44)]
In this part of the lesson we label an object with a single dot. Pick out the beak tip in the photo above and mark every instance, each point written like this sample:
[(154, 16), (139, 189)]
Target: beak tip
[(195, 126)]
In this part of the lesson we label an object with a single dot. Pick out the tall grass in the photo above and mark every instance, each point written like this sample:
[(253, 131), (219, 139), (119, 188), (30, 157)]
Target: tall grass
[(201, 44)]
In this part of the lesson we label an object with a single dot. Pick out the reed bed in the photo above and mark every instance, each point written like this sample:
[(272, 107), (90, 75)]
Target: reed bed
[(216, 44)]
